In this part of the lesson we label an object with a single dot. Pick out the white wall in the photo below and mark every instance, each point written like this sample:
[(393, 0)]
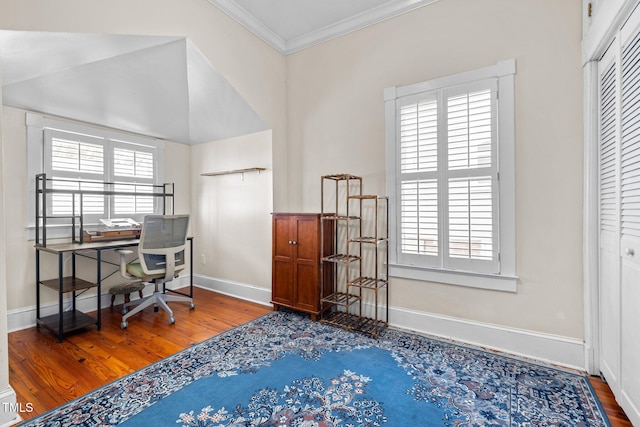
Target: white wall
[(233, 226), (7, 395), (335, 121)]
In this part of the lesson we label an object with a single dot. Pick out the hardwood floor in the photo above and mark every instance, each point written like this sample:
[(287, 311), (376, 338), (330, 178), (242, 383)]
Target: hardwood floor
[(46, 374), (616, 415)]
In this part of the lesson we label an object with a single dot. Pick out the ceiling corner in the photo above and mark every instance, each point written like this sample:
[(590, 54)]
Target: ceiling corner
[(251, 23)]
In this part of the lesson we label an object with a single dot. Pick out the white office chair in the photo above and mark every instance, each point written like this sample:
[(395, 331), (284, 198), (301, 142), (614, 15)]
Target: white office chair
[(161, 256)]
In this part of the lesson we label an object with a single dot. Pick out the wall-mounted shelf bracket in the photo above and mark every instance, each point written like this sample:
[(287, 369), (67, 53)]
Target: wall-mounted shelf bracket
[(235, 171)]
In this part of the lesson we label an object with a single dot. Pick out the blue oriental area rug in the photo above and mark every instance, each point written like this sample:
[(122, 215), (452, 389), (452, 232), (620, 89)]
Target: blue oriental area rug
[(285, 370)]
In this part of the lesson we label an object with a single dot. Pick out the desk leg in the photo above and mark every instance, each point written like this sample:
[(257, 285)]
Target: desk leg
[(60, 298), (191, 268), (37, 288), (73, 274), (98, 282)]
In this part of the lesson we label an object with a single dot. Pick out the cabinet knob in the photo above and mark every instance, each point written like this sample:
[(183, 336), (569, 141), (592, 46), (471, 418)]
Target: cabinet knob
[(629, 252), (294, 242)]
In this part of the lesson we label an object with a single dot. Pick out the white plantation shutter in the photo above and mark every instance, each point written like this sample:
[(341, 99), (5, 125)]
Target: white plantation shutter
[(419, 136), (471, 173), (133, 165), (447, 178), (78, 161), (418, 145), (419, 217)]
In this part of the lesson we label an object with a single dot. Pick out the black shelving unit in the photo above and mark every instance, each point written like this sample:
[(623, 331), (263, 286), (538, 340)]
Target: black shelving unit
[(66, 321)]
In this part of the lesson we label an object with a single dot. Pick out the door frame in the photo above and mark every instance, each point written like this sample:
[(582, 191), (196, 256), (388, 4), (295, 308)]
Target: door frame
[(599, 31)]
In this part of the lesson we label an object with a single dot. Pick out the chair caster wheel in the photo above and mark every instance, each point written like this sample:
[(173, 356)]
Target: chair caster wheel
[(124, 324), (172, 320), (192, 306)]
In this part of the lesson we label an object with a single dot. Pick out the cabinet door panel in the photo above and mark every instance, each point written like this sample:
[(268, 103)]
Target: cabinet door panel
[(282, 238), (306, 263), (282, 274), (306, 296), (282, 291), (306, 239)]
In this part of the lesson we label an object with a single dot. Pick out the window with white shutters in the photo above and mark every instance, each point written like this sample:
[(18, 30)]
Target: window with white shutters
[(446, 195), (447, 179), (77, 160)]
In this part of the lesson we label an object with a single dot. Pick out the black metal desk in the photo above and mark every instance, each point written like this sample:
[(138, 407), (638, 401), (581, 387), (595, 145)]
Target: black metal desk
[(64, 322)]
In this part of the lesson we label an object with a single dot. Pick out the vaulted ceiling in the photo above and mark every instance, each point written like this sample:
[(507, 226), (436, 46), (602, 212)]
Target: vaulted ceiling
[(157, 86), (164, 86)]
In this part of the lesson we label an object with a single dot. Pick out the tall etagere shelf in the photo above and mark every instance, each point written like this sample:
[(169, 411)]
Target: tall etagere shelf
[(372, 245), (359, 257)]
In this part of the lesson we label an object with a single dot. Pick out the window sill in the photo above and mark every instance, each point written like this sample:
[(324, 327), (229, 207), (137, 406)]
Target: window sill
[(474, 280)]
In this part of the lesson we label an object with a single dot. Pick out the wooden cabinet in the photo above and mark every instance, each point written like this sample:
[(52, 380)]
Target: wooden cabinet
[(297, 274)]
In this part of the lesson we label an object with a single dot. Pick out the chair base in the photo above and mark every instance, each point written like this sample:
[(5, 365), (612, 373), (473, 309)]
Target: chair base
[(157, 299)]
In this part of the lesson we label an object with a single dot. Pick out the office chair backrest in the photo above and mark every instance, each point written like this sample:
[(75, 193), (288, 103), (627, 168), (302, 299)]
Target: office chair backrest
[(162, 244)]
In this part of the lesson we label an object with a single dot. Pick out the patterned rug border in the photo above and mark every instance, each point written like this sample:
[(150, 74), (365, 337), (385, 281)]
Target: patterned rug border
[(388, 339)]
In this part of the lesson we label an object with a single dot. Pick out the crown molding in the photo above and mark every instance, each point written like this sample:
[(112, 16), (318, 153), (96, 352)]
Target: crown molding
[(250, 22), (357, 22)]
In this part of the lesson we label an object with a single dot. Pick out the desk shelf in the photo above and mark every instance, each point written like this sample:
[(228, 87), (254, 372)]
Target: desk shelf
[(69, 284), (71, 320), (46, 188)]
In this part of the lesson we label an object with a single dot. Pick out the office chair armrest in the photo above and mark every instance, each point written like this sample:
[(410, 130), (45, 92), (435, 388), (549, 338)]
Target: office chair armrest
[(123, 262)]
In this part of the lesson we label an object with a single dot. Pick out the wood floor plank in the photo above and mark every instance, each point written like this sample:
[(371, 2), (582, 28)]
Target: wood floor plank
[(46, 374)]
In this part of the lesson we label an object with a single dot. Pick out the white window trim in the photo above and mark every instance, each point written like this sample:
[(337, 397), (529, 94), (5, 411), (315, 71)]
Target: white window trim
[(36, 125), (506, 280)]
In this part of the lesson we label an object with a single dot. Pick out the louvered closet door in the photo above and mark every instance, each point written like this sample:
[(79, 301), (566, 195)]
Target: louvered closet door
[(629, 396), (609, 217)]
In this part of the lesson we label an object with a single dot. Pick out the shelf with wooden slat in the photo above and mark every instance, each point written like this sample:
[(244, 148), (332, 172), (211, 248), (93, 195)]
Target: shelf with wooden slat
[(369, 240), (370, 326), (355, 323), (341, 258), (71, 320), (340, 299), (341, 319), (368, 283), (333, 217), (69, 284)]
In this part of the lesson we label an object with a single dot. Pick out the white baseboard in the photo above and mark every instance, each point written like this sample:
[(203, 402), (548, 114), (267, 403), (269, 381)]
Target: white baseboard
[(10, 409), (26, 317), (235, 289), (546, 348)]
